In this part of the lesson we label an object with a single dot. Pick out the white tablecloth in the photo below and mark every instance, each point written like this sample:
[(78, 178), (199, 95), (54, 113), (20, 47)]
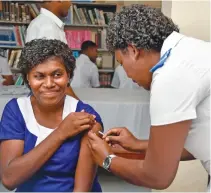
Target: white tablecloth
[(117, 107), (120, 108)]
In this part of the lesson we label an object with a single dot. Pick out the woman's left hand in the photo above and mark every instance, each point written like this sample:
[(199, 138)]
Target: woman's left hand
[(99, 148)]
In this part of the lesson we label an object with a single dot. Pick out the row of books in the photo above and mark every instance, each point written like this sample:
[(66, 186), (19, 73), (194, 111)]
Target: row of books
[(105, 79), (15, 36), (76, 37), (16, 12), (13, 58), (34, 9), (12, 35), (19, 80), (23, 12), (91, 16)]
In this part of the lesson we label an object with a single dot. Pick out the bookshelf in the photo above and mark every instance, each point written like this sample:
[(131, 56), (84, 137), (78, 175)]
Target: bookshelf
[(99, 50), (4, 22), (88, 19), (106, 70), (15, 70), (21, 47), (11, 47), (84, 26)]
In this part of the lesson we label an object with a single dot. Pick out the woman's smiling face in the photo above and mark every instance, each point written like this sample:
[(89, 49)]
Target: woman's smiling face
[(48, 81)]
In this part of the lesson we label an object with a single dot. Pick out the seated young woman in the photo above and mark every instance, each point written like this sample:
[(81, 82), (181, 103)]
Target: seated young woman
[(44, 136)]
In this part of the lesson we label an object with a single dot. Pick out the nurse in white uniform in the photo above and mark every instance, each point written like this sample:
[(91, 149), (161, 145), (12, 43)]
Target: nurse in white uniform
[(176, 70)]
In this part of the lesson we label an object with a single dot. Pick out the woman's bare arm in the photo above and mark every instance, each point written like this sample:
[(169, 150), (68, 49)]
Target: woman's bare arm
[(86, 168), (15, 168)]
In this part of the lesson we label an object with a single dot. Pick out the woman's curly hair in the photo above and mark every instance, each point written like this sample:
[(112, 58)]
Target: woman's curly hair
[(139, 25), (39, 50)]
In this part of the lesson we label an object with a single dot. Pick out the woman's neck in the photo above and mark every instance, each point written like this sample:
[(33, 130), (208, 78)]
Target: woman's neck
[(49, 109), (49, 116)]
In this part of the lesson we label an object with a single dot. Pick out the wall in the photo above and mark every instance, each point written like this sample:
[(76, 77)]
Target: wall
[(192, 17), (166, 8)]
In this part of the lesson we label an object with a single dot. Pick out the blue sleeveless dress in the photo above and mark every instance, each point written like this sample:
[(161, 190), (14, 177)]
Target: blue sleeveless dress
[(58, 173)]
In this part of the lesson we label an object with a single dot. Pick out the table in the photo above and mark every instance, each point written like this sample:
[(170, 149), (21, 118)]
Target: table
[(117, 107), (120, 108)]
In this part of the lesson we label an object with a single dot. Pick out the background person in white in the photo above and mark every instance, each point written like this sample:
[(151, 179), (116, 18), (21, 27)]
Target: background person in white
[(179, 100), (6, 77), (48, 24), (86, 72), (121, 80)]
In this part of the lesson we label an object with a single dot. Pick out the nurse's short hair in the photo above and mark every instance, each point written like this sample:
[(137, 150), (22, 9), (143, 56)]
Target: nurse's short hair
[(39, 50), (141, 26)]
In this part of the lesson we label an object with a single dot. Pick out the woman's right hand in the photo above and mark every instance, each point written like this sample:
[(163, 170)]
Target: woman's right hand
[(124, 138), (75, 123)]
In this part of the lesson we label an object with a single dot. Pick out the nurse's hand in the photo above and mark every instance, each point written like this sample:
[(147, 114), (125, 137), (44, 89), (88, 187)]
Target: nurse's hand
[(123, 137), (99, 148)]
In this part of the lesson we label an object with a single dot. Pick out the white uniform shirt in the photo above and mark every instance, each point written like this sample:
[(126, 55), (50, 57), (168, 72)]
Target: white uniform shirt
[(121, 80), (85, 74), (4, 69), (180, 91), (46, 25)]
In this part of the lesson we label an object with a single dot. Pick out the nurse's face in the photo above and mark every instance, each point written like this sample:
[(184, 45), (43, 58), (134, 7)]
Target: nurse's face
[(137, 64)]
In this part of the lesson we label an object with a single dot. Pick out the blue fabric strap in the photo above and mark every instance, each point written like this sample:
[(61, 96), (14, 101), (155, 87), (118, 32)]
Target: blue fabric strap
[(161, 61)]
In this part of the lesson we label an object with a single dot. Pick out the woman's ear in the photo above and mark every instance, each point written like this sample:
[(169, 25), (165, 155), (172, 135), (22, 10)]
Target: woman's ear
[(134, 52)]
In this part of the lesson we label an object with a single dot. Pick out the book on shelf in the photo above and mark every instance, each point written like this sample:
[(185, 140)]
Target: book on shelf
[(19, 81), (25, 12), (13, 58), (76, 54), (105, 79), (12, 35), (76, 37), (18, 11), (89, 15)]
